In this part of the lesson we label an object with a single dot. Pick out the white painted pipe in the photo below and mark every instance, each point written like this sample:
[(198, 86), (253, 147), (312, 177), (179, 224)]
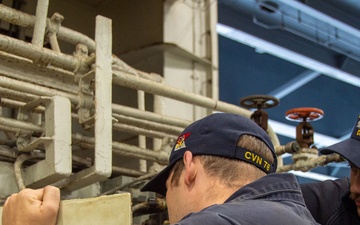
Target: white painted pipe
[(40, 23), (40, 55), (28, 21)]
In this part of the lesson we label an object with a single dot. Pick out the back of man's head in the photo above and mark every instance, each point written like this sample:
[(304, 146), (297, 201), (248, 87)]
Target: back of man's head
[(220, 135)]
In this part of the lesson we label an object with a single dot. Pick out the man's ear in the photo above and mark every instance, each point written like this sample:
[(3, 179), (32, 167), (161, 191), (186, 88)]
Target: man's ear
[(190, 168)]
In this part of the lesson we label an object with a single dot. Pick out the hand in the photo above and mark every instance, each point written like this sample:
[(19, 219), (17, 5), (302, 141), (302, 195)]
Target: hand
[(32, 207)]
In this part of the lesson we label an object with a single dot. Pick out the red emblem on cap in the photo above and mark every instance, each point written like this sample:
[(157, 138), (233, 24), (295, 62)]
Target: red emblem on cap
[(180, 142)]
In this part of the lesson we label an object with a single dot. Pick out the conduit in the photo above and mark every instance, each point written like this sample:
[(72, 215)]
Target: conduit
[(40, 23), (181, 95), (28, 21)]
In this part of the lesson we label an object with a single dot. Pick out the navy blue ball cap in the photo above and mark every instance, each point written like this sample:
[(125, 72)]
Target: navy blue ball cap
[(349, 148), (217, 135)]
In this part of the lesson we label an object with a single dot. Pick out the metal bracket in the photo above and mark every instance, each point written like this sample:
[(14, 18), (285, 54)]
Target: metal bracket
[(86, 102), (56, 140), (102, 167)]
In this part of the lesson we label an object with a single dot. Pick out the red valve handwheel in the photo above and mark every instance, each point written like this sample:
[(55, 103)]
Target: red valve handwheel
[(304, 114)]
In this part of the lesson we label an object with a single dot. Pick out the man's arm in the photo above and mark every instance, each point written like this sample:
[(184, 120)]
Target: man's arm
[(32, 207)]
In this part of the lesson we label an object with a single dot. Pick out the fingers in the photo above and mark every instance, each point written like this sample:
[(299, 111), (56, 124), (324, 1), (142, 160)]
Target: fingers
[(51, 197), (32, 194), (48, 195), (37, 207)]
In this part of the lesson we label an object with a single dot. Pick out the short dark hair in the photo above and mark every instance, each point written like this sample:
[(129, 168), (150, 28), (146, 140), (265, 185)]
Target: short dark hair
[(216, 166)]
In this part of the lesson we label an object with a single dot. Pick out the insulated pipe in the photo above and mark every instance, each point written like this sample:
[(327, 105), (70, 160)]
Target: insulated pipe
[(118, 148), (136, 180), (14, 126), (78, 139), (306, 165), (22, 125), (33, 89), (119, 152), (170, 129), (142, 131), (121, 66), (54, 25), (146, 115), (290, 147), (24, 69), (142, 138), (8, 128), (181, 95), (177, 94), (137, 83), (65, 34), (127, 172), (119, 170), (121, 147), (18, 96), (133, 127), (201, 100), (18, 170), (40, 23), (28, 21), (41, 55), (24, 91), (10, 153)]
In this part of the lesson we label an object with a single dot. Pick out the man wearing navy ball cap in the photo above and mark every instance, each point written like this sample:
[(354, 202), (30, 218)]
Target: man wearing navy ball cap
[(222, 171), (338, 202)]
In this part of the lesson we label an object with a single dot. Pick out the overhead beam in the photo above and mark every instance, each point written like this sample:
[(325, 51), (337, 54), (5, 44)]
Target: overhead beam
[(301, 7), (294, 84), (286, 54)]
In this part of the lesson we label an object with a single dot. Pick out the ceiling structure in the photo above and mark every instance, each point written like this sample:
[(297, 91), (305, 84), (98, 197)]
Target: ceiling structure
[(304, 53)]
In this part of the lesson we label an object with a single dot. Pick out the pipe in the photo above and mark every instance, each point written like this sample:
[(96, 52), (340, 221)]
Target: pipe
[(174, 93), (28, 21), (21, 125), (159, 204), (40, 23), (322, 17), (16, 104), (121, 66), (164, 131), (306, 165), (14, 125), (142, 138), (54, 25), (152, 116), (33, 89), (127, 172), (290, 147), (136, 180), (17, 170), (41, 55), (136, 82), (181, 95), (141, 131), (171, 130), (119, 148), (6, 151)]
